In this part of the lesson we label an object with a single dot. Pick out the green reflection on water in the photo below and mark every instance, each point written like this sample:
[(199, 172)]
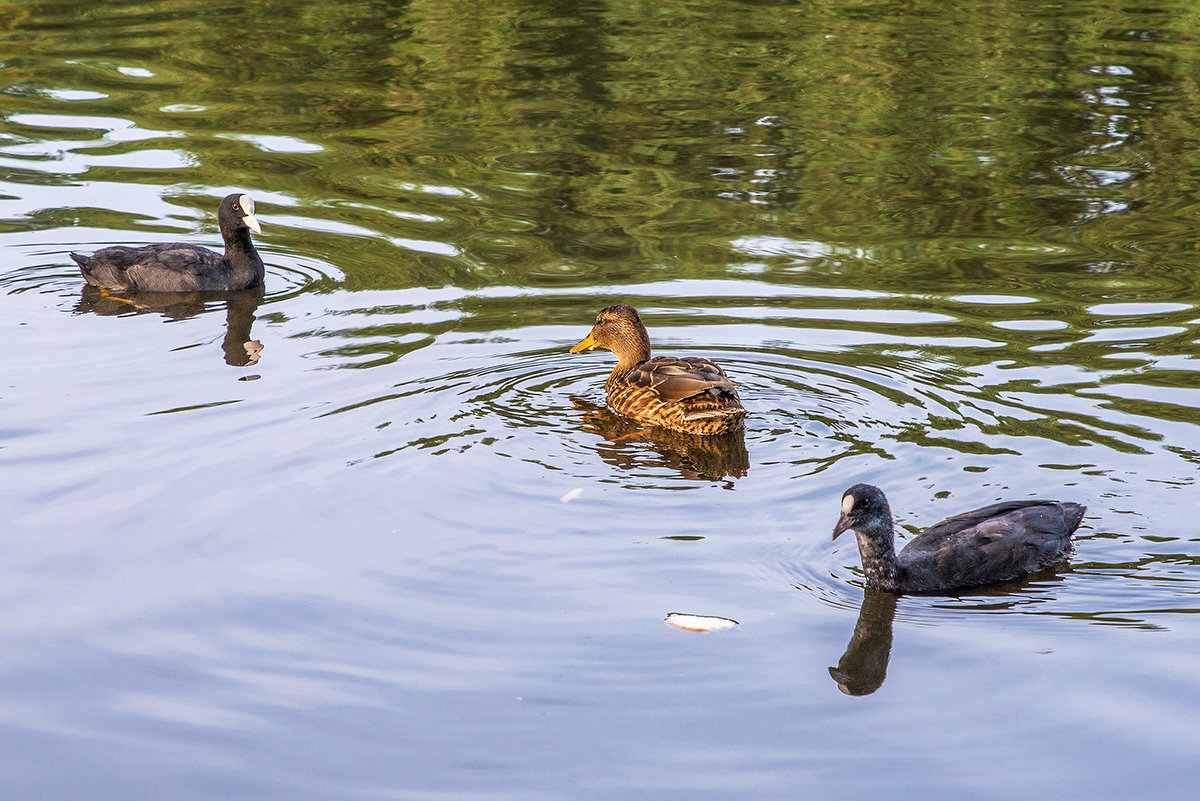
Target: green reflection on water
[(568, 144), (939, 162)]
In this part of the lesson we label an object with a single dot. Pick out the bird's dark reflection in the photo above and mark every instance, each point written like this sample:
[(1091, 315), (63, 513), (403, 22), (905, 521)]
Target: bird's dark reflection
[(240, 350), (863, 666), (721, 457)]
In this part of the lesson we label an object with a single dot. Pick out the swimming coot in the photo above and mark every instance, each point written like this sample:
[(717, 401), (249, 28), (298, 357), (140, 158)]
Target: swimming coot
[(178, 267), (690, 394), (997, 543)]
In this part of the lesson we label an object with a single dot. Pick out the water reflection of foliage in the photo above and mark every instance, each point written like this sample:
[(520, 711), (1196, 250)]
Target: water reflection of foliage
[(558, 145), (532, 128)]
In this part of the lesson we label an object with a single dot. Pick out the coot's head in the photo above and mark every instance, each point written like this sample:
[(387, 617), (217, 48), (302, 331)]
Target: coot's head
[(619, 329), (237, 211), (865, 510)]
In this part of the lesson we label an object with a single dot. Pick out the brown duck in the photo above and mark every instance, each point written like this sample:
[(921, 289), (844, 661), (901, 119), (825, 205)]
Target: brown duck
[(689, 394)]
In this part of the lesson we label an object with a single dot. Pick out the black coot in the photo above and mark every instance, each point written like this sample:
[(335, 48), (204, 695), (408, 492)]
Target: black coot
[(997, 543), (178, 267)]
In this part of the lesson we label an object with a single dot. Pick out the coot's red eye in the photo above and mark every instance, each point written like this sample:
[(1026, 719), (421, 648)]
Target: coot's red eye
[(235, 207)]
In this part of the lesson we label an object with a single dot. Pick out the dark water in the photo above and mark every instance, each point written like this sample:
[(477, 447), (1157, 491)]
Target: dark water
[(944, 248)]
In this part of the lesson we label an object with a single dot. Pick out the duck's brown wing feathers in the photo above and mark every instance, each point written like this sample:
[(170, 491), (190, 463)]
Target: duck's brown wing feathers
[(674, 378), (685, 394)]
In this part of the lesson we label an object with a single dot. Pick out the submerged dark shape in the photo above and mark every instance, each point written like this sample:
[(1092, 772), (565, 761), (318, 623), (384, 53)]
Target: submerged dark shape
[(690, 394), (997, 543), (179, 267)]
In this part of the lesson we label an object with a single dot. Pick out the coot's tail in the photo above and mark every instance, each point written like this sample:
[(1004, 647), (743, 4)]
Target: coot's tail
[(85, 266), (1074, 514), (92, 270)]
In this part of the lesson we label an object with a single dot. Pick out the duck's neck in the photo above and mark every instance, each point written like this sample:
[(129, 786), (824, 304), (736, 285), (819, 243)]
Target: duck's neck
[(244, 259), (877, 547), (631, 351)]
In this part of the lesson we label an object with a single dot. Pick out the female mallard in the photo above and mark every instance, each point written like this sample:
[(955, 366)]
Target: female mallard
[(688, 394)]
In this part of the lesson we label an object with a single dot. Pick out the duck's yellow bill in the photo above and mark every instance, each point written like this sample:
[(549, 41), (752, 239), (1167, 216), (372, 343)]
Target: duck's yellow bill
[(588, 343)]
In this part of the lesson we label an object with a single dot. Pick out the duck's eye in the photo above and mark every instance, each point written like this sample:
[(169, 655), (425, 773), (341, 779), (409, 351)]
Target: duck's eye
[(235, 207)]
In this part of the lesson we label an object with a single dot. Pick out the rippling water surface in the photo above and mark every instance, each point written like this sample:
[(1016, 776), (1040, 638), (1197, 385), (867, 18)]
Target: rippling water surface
[(402, 550)]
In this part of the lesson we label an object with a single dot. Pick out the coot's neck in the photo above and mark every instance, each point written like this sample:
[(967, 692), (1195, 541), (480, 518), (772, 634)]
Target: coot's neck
[(877, 547), (243, 258)]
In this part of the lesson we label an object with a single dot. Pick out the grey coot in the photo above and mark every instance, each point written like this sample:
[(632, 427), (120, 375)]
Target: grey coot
[(178, 267), (997, 543)]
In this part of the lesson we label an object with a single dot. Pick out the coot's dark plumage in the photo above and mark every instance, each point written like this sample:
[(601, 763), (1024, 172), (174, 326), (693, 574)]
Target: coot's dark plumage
[(688, 393), (178, 267), (997, 543)]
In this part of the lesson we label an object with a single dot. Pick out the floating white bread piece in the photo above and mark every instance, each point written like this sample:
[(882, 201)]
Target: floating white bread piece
[(572, 495), (699, 622)]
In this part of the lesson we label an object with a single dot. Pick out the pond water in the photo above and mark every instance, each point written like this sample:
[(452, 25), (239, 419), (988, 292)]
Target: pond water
[(403, 551)]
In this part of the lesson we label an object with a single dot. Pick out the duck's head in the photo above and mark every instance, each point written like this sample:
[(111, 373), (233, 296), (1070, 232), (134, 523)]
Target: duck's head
[(865, 510), (619, 329), (237, 211)]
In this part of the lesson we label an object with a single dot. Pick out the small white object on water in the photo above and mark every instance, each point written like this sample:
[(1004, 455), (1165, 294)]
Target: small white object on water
[(699, 622), (572, 495)]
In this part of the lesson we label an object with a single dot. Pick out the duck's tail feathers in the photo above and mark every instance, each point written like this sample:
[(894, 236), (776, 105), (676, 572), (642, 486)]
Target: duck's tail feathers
[(713, 414)]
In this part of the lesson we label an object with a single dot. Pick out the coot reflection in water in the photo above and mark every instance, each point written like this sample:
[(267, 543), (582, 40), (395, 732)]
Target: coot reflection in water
[(240, 350), (863, 666), (698, 457)]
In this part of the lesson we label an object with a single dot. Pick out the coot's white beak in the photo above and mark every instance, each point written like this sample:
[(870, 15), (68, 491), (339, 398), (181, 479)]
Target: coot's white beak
[(250, 220)]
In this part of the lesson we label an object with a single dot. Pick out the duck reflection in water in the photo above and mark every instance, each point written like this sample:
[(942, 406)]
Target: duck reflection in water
[(240, 350), (694, 456)]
